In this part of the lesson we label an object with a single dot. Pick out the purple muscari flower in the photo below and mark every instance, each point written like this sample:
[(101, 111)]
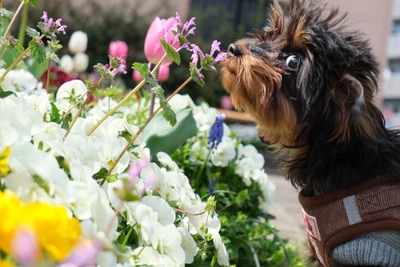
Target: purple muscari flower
[(211, 187), (216, 131)]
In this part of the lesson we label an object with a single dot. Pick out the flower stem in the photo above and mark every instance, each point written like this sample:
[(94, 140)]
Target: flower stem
[(133, 139), (127, 236), (122, 102), (15, 62), (48, 76), (22, 25), (88, 95), (189, 213), (109, 113), (202, 167), (13, 19)]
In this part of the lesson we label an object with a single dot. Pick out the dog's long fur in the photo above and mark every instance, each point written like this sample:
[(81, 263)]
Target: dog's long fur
[(322, 113)]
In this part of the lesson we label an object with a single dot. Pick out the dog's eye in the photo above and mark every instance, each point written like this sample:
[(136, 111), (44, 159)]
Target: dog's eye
[(293, 62)]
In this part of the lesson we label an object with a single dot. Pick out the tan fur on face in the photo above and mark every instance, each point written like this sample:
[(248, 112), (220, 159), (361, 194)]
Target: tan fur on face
[(254, 87)]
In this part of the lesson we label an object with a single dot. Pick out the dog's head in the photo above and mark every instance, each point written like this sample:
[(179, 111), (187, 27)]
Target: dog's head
[(305, 76)]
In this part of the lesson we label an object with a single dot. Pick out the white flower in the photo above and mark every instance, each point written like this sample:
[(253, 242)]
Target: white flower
[(166, 161), (79, 148), (268, 189), (165, 238), (18, 120), (78, 42), (108, 149), (40, 101), (50, 137), (67, 64), (41, 166), (222, 253), (249, 164), (69, 94), (198, 151), (224, 152), (81, 62), (22, 80), (189, 245), (181, 102), (204, 116), (151, 257), (165, 214)]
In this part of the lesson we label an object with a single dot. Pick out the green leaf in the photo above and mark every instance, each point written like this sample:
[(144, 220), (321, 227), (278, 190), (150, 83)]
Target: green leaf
[(55, 113), (159, 135), (31, 32), (169, 115), (4, 13), (142, 68), (171, 52), (38, 51), (4, 94)]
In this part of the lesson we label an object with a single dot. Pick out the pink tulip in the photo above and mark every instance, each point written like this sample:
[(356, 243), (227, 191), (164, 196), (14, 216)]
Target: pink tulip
[(136, 76), (118, 48), (160, 29), (163, 73)]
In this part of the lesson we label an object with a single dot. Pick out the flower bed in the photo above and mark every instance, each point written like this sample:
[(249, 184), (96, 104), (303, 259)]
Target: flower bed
[(92, 175)]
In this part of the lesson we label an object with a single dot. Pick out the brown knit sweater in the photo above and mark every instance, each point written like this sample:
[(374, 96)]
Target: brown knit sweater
[(337, 217)]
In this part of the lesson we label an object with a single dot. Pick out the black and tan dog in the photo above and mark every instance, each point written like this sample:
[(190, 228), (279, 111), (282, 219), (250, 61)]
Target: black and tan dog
[(310, 83)]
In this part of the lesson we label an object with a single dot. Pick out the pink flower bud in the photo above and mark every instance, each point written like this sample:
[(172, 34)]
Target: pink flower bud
[(163, 73), (119, 49), (136, 76), (160, 29)]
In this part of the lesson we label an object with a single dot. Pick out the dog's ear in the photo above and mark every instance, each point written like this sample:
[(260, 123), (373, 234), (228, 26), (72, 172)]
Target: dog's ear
[(349, 93)]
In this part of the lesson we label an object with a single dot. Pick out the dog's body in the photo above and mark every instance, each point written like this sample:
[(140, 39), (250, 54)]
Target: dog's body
[(311, 85)]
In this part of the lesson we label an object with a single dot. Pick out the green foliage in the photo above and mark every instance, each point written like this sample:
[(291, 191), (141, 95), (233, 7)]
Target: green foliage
[(161, 136), (171, 52), (247, 232)]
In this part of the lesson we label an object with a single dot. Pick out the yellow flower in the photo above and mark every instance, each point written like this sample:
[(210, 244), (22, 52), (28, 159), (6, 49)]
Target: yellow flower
[(56, 232), (6, 263), (64, 233), (10, 210), (4, 161)]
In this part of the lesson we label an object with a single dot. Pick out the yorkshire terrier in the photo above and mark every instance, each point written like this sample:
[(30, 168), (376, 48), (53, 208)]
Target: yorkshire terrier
[(311, 83)]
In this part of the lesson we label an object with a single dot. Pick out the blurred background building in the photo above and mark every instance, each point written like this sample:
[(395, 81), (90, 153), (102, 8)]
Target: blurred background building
[(391, 86)]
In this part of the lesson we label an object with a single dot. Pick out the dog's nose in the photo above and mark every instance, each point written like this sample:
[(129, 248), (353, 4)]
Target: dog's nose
[(234, 50)]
